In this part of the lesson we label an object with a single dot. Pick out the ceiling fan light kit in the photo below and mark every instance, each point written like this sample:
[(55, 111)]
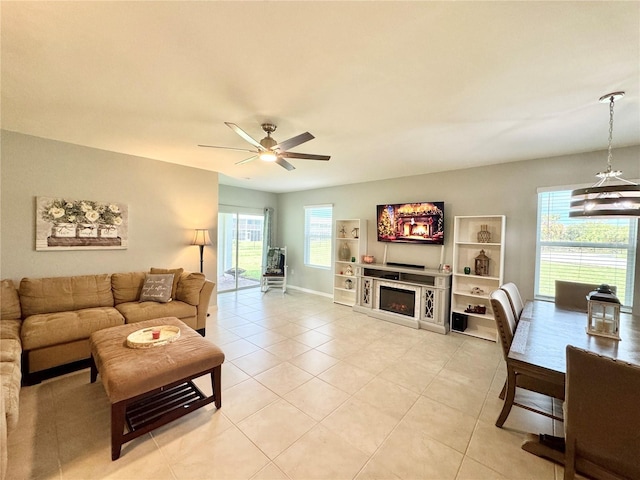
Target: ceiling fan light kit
[(612, 195), (269, 150)]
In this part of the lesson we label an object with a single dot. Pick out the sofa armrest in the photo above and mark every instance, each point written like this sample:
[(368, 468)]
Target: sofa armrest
[(203, 304)]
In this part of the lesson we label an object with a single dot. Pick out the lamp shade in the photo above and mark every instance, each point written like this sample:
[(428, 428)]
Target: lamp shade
[(606, 201), (201, 237)]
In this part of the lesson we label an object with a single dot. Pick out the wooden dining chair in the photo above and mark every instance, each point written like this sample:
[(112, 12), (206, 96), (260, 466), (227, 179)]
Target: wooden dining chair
[(506, 326), (515, 299), (602, 419), (573, 295)]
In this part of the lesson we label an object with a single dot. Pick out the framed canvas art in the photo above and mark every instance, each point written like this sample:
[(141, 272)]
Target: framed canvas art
[(67, 224)]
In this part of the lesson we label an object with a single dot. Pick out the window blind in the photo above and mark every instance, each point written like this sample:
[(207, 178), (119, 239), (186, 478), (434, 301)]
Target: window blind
[(318, 221)]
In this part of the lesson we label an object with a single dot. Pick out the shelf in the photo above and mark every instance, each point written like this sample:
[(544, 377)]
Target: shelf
[(465, 250), (469, 294), (357, 248), (478, 244), (482, 277)]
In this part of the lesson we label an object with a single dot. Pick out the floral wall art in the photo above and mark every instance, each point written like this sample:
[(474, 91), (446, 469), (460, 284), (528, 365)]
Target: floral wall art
[(66, 224)]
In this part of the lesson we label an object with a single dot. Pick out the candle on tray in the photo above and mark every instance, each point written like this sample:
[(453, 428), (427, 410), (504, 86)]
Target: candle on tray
[(155, 334)]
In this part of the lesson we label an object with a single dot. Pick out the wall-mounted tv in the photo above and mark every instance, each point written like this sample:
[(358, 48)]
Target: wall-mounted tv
[(421, 223)]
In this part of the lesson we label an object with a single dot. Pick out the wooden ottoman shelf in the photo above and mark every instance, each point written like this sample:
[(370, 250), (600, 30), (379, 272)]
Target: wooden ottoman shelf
[(150, 387)]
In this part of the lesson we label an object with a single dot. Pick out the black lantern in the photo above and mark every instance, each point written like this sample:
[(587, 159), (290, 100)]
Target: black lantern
[(482, 264)]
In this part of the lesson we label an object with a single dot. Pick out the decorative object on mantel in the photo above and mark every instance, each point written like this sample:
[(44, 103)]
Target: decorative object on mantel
[(368, 259), (603, 313), (66, 224), (355, 233), (481, 309), (345, 252), (348, 271), (484, 235), (482, 264), (612, 195)]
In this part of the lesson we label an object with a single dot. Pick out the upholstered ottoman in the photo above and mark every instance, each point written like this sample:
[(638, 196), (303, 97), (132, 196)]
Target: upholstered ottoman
[(149, 387)]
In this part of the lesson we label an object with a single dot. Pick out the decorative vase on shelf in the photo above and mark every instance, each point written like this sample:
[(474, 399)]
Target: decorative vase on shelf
[(484, 235), (345, 252)]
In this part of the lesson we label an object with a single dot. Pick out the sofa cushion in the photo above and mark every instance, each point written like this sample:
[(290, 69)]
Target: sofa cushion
[(157, 287), (138, 311), (55, 328), (127, 286), (61, 294), (9, 301), (11, 377), (189, 288), (11, 351), (176, 277), (10, 329)]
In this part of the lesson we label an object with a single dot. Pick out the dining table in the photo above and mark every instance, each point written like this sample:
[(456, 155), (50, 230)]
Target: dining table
[(544, 331), (539, 346)]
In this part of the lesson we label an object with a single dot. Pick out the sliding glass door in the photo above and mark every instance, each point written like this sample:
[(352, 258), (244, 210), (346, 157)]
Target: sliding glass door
[(239, 249)]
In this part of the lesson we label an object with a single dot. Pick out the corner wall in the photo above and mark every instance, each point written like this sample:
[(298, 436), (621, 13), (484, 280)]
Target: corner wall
[(165, 201)]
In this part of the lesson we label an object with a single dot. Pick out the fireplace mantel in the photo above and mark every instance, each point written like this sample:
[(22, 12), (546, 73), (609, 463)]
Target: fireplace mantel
[(430, 287)]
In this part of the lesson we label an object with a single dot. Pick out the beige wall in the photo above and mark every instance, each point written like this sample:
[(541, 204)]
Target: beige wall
[(508, 189), (165, 201)]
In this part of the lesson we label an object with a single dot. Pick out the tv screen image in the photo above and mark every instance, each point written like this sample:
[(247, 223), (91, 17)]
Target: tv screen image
[(421, 223)]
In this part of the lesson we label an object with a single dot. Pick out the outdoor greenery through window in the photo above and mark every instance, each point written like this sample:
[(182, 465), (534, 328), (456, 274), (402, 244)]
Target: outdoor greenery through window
[(318, 221), (583, 250)]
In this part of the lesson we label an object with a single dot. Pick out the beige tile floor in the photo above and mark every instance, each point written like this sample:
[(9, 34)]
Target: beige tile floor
[(311, 390)]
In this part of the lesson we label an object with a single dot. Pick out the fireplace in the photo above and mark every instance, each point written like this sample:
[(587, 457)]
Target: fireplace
[(398, 300)]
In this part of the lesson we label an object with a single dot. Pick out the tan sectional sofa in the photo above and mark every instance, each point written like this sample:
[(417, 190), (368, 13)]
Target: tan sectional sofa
[(45, 324), (10, 354), (60, 313)]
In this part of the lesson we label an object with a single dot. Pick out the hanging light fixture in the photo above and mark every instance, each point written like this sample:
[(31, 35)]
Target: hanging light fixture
[(612, 195)]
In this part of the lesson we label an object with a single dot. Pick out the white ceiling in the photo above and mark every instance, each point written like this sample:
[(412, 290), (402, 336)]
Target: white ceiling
[(389, 89)]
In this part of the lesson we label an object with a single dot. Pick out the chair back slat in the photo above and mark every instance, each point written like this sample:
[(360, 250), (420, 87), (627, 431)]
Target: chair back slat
[(505, 320), (515, 299)]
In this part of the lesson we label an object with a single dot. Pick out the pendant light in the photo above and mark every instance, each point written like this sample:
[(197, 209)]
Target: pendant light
[(612, 195)]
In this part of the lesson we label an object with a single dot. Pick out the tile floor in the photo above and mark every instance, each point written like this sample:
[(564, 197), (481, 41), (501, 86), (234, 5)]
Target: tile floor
[(311, 390)]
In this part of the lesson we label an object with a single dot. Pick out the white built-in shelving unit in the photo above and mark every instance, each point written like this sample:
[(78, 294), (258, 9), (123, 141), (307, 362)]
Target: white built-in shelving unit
[(352, 234), (466, 247)]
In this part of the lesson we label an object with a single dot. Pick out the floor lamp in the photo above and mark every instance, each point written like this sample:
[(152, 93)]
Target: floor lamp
[(201, 238)]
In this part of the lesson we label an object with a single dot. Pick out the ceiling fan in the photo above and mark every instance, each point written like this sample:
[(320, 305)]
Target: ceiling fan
[(269, 150)]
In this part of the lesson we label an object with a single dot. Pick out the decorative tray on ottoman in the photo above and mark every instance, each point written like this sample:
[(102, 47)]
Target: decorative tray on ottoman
[(143, 338)]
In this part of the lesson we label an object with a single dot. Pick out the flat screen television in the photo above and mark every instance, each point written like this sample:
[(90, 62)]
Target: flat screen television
[(420, 223)]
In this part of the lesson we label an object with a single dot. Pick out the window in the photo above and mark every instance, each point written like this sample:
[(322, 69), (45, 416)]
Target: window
[(318, 220), (583, 250)]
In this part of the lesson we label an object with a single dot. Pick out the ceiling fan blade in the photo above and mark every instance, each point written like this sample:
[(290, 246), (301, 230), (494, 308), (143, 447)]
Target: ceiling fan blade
[(304, 156), (294, 141), (247, 160), (284, 164), (244, 135), (228, 148)]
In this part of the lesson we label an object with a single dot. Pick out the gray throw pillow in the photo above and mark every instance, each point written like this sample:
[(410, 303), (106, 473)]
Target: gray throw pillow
[(157, 288)]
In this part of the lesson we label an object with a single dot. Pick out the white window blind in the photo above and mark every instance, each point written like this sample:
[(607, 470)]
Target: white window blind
[(318, 221), (583, 250)]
